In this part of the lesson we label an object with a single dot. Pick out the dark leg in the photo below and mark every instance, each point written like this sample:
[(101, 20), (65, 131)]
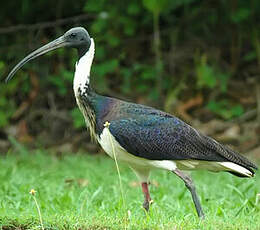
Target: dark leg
[(189, 184), (147, 198)]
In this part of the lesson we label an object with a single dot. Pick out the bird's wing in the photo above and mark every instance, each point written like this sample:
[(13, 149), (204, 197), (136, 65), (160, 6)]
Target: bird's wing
[(159, 136)]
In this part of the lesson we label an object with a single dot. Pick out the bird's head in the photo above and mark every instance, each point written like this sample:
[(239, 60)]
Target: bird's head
[(76, 37)]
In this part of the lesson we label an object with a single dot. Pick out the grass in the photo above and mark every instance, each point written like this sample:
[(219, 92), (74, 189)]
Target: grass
[(82, 192)]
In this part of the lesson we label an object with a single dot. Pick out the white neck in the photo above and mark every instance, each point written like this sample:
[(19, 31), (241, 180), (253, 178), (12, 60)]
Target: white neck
[(82, 73)]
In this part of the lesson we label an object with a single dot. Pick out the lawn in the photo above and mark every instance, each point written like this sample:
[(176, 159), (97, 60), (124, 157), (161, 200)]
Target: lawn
[(78, 191)]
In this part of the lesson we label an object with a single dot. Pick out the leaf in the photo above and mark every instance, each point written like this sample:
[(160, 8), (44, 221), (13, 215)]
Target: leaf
[(94, 6), (105, 67), (148, 74), (113, 41), (3, 119), (55, 80), (78, 120), (206, 76), (210, 77), (126, 74), (99, 26), (142, 88), (240, 15), (3, 101), (155, 6), (250, 56), (133, 8), (67, 75), (100, 53), (225, 109), (237, 111), (223, 81), (2, 65)]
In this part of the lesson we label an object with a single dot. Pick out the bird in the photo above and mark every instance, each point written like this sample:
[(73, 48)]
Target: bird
[(143, 137)]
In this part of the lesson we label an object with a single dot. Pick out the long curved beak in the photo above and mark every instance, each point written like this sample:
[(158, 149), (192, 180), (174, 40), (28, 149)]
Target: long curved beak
[(57, 43)]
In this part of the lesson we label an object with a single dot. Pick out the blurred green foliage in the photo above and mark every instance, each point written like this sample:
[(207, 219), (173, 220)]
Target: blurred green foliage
[(78, 120), (204, 45), (225, 109)]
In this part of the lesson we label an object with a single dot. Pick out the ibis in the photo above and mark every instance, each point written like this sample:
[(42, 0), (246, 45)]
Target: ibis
[(141, 136)]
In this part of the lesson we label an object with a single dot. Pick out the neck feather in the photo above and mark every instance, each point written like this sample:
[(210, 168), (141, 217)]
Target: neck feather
[(82, 89), (82, 73)]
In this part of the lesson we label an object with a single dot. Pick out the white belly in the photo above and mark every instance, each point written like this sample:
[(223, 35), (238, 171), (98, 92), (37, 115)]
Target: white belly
[(113, 149)]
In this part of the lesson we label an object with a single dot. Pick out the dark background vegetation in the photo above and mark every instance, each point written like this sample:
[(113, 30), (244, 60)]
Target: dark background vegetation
[(197, 59)]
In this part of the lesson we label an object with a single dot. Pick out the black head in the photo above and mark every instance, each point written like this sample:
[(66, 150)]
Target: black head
[(76, 37)]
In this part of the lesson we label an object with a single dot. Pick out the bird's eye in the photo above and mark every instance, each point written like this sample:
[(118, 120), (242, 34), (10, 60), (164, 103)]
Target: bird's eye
[(73, 35)]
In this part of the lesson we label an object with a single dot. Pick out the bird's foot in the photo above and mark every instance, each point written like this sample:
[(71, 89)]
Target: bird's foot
[(147, 204), (201, 215)]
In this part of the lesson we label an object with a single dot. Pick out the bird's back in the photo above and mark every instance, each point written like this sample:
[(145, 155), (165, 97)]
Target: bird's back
[(152, 134)]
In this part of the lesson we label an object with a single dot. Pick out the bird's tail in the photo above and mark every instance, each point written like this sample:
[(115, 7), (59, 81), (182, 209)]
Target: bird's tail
[(238, 164), (237, 170)]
